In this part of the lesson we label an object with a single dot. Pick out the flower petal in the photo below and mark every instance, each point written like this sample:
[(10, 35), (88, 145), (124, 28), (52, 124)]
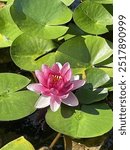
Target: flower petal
[(67, 76), (71, 100), (76, 77), (42, 102), (65, 68), (55, 103), (59, 64), (40, 76), (37, 87), (55, 68), (77, 84), (46, 70), (66, 88)]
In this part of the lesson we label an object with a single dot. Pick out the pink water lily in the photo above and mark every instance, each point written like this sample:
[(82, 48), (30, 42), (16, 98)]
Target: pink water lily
[(55, 86)]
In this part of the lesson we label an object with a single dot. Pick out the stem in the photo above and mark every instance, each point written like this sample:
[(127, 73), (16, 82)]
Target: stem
[(33, 74), (55, 140), (67, 143)]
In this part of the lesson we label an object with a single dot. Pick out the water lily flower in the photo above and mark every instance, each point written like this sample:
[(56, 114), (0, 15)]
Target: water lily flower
[(55, 86)]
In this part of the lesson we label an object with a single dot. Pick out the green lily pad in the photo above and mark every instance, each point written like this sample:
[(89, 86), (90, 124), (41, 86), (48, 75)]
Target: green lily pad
[(67, 2), (8, 29), (106, 63), (15, 104), (109, 84), (89, 121), (101, 1), (18, 144), (97, 77), (75, 52), (87, 95), (33, 53), (43, 17), (92, 17), (73, 31), (98, 48), (4, 42)]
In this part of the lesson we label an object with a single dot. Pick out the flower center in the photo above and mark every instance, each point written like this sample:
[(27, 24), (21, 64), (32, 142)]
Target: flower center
[(55, 78)]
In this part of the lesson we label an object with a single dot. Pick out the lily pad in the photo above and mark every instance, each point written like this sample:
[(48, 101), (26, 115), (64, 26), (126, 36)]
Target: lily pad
[(89, 121), (97, 77), (101, 1), (92, 17), (109, 84), (99, 49), (18, 144), (15, 104), (73, 31), (106, 63), (4, 42), (8, 29), (33, 53), (44, 18), (67, 2), (75, 52), (87, 95)]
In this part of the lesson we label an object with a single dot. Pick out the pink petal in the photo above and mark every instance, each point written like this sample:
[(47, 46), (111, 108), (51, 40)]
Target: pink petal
[(71, 100), (42, 102), (66, 88), (77, 84), (76, 77), (46, 70), (68, 75), (55, 103), (37, 87), (65, 68), (64, 96), (40, 77), (55, 68), (59, 64)]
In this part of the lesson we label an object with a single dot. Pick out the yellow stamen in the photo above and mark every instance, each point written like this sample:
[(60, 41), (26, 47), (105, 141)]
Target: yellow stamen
[(55, 78)]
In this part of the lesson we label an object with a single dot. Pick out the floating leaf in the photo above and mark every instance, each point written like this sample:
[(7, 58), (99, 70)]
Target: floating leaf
[(18, 144), (101, 1), (109, 84), (73, 31), (8, 29), (87, 95), (98, 48), (75, 52), (106, 63), (92, 17), (33, 53), (4, 42), (89, 121), (15, 104), (67, 2), (97, 77), (43, 17)]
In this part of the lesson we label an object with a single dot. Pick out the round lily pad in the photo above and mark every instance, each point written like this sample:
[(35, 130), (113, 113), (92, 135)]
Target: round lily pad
[(88, 121), (92, 17), (33, 53), (8, 29), (97, 77), (43, 17), (75, 52), (18, 144), (101, 1), (99, 49), (67, 2), (88, 95), (15, 104)]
